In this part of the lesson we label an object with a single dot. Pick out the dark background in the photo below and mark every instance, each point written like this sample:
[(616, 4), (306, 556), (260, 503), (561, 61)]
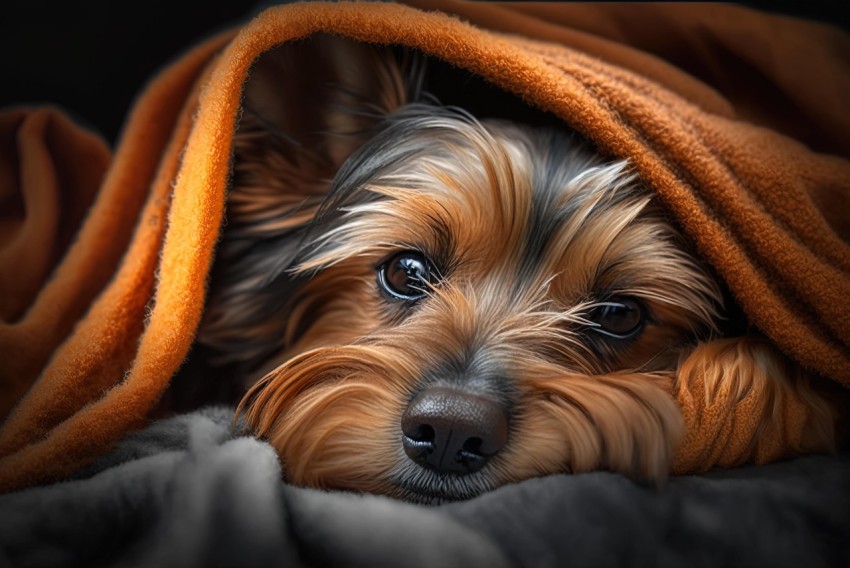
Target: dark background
[(93, 57)]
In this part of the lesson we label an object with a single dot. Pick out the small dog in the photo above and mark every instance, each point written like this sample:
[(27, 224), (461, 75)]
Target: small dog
[(438, 305)]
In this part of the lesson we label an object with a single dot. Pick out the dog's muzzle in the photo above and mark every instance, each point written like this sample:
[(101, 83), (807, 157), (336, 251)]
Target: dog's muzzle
[(451, 431)]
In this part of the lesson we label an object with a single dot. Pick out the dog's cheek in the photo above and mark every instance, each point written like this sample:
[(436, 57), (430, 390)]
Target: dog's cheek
[(548, 437), (340, 436), (576, 423), (336, 307)]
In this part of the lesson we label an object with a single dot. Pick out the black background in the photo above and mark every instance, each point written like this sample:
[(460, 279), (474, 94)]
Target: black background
[(93, 57)]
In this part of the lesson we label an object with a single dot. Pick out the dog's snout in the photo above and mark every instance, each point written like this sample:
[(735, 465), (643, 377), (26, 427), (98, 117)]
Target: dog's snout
[(452, 431)]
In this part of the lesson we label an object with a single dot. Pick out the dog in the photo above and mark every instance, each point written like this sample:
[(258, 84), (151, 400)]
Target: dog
[(429, 305)]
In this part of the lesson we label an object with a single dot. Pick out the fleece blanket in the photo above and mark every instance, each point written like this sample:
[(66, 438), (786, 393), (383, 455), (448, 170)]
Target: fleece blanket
[(186, 492), (736, 120)]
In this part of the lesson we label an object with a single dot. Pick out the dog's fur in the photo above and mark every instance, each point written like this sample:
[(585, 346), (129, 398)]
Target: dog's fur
[(531, 240)]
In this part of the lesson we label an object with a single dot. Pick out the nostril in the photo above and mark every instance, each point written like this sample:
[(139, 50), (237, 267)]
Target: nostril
[(473, 445), (470, 454), (421, 433), (418, 441)]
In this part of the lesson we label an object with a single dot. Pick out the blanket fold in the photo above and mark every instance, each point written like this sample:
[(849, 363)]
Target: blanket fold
[(766, 211), (45, 195)]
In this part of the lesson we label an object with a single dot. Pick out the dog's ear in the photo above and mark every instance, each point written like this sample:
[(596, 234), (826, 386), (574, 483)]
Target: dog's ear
[(306, 107), (745, 401)]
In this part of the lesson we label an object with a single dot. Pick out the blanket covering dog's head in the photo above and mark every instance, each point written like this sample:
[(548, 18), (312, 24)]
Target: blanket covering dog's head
[(716, 179)]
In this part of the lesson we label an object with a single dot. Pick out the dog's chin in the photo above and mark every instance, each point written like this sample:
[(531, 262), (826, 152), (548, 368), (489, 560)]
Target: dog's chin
[(428, 487)]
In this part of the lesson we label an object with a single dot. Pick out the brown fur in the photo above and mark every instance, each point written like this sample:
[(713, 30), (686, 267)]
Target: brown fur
[(748, 381), (340, 362)]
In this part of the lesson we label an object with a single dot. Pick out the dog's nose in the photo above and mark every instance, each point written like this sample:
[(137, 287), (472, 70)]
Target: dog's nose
[(452, 431)]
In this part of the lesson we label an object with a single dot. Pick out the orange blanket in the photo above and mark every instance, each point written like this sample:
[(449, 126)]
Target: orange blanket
[(736, 119)]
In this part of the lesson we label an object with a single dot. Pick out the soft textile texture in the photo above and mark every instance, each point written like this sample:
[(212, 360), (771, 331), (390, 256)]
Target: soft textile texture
[(185, 492), (769, 213)]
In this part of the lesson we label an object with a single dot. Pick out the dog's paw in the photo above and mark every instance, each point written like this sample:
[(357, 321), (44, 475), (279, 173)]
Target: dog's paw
[(743, 401)]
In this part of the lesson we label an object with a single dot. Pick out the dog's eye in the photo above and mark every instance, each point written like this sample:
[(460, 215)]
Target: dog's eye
[(406, 275), (619, 317)]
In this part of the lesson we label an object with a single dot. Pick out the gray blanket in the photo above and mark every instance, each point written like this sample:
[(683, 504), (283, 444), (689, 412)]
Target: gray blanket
[(188, 492)]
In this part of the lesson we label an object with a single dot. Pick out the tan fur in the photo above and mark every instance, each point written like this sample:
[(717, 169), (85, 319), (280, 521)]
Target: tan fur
[(765, 396), (346, 361)]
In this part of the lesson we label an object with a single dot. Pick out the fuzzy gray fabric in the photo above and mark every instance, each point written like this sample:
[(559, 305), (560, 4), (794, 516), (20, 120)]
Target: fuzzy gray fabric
[(187, 492)]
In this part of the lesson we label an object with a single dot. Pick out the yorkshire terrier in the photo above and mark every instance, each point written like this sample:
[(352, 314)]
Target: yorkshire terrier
[(430, 305)]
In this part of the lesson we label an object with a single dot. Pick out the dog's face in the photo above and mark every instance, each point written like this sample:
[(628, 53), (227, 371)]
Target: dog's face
[(466, 304)]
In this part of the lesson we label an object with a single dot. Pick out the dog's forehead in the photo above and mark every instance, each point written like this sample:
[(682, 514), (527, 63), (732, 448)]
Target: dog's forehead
[(484, 195), (508, 187)]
